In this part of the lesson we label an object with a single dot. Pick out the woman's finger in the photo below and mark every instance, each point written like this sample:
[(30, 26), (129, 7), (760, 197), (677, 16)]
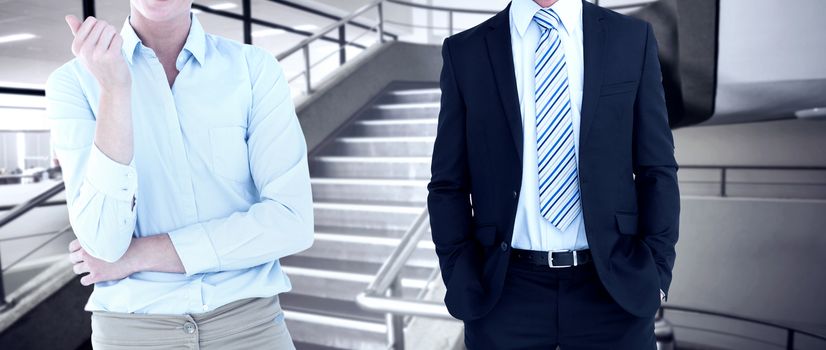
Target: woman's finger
[(92, 40), (74, 24), (117, 42), (87, 280), (85, 28), (76, 256), (105, 39), (74, 245), (81, 34), (80, 268)]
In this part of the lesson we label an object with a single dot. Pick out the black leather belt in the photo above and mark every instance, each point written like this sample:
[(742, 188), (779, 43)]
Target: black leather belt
[(558, 259)]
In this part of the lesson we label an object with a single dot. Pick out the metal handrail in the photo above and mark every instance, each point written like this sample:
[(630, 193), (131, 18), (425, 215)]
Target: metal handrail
[(317, 12), (376, 297), (30, 204), (724, 170), (306, 41), (18, 211), (304, 44), (791, 332), (442, 8), (383, 294)]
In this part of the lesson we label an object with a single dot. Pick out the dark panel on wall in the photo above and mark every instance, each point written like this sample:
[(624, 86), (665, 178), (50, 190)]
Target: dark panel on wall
[(687, 33)]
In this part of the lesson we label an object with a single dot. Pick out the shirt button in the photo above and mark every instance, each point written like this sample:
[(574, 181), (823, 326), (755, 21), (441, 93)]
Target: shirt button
[(504, 246), (206, 307), (189, 328)]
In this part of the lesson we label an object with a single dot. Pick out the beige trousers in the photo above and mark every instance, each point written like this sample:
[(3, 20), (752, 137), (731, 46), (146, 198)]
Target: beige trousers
[(256, 323)]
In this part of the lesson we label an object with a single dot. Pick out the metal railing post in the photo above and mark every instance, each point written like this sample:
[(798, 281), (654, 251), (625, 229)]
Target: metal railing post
[(380, 7), (450, 22), (2, 290), (722, 182), (88, 8), (342, 45), (246, 12), (307, 78), (395, 322), (790, 339)]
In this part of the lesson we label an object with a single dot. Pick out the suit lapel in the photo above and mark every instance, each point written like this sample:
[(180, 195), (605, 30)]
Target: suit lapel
[(501, 58), (593, 42)]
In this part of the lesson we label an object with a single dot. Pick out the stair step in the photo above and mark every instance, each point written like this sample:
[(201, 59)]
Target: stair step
[(335, 332), (403, 110), (377, 215), (362, 231), (332, 278), (412, 96), (310, 346), (344, 309), (374, 252), (354, 266), (371, 167), (396, 146), (393, 127), (385, 190)]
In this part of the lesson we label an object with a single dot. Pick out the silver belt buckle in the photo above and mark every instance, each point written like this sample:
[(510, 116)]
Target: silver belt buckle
[(551, 258)]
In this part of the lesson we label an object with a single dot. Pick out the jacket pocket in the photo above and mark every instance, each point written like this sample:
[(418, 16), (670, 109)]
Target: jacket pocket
[(617, 88)]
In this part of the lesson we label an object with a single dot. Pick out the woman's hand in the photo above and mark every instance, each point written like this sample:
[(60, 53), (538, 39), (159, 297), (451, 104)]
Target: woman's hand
[(97, 45), (96, 270)]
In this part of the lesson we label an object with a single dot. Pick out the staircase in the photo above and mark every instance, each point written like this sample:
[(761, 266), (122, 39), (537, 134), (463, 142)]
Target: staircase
[(369, 183)]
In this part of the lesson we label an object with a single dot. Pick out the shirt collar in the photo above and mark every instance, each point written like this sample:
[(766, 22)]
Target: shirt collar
[(195, 41), (522, 12)]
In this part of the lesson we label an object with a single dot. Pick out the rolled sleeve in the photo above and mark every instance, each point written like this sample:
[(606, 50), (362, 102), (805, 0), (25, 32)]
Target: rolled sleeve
[(112, 179), (100, 192), (195, 249)]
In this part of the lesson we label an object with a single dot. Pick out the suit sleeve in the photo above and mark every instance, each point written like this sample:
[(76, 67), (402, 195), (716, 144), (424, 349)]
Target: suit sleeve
[(449, 189), (655, 168)]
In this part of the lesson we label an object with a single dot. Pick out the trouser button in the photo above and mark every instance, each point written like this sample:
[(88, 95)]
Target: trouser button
[(189, 328)]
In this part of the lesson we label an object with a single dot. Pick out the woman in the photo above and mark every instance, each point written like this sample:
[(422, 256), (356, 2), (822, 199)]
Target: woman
[(186, 180)]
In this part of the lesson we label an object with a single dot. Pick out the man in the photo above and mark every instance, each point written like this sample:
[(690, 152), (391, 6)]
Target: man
[(186, 181), (553, 200)]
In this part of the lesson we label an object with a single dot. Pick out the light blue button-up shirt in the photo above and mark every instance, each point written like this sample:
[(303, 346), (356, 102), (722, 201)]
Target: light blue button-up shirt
[(219, 164), (532, 231)]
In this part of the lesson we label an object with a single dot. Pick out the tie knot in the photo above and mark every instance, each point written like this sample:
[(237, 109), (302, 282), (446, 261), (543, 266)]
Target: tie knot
[(547, 19)]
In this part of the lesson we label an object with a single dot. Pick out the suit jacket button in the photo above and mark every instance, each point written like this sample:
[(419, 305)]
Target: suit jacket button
[(504, 246), (515, 194)]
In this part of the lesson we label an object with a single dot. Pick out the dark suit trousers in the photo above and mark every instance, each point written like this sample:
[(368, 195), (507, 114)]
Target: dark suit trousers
[(542, 308)]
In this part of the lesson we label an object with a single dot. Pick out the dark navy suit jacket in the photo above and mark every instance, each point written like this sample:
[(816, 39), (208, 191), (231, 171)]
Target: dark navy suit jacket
[(627, 170)]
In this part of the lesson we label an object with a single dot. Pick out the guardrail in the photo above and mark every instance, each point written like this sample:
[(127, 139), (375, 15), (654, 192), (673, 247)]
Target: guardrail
[(383, 294), (724, 180), (40, 200), (378, 27), (791, 332)]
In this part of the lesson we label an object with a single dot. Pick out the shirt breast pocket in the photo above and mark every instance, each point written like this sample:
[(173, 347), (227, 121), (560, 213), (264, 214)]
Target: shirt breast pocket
[(230, 158)]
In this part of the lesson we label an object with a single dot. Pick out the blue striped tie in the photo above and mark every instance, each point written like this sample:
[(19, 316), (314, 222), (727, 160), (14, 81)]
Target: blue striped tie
[(559, 199)]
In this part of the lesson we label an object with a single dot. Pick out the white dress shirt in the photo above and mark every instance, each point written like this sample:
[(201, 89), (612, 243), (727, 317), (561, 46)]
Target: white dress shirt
[(219, 163), (532, 231)]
